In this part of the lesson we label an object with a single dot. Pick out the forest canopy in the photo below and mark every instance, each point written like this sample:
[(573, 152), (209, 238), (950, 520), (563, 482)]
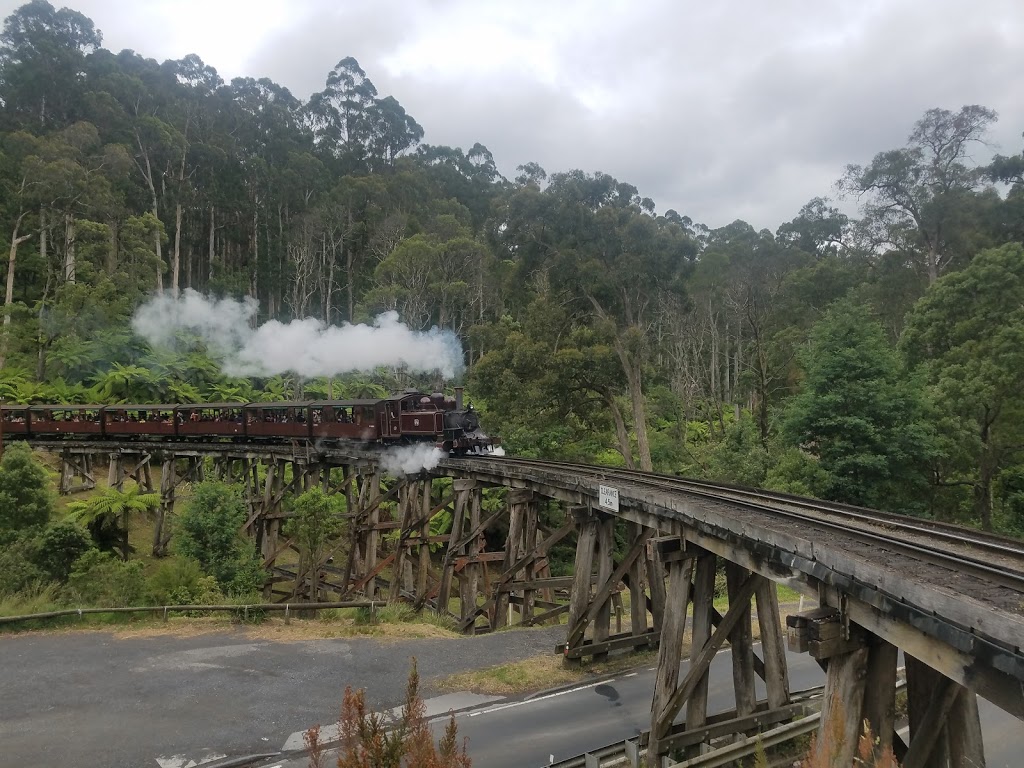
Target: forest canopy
[(869, 359)]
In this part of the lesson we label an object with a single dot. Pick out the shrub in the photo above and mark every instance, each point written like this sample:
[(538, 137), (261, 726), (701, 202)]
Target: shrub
[(99, 579), (18, 573), (208, 532), (58, 547), (26, 498), (182, 582)]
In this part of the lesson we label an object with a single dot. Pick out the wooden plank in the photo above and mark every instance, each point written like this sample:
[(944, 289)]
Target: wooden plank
[(614, 643), (540, 618), (551, 582)]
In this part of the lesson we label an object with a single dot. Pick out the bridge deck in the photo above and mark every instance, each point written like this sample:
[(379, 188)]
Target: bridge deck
[(967, 625)]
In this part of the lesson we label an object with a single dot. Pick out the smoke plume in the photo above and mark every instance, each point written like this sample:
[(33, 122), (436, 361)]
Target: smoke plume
[(306, 347), (410, 459)]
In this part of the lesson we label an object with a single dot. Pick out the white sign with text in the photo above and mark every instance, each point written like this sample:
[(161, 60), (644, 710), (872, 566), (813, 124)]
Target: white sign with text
[(608, 498)]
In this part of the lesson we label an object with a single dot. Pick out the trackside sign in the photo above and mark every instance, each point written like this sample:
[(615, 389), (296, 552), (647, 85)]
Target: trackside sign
[(608, 498)]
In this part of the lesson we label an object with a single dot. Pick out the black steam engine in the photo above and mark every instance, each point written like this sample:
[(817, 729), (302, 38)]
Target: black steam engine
[(406, 418)]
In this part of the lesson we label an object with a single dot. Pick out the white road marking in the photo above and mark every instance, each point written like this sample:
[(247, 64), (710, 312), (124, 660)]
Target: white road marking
[(435, 706), (539, 698), (631, 674)]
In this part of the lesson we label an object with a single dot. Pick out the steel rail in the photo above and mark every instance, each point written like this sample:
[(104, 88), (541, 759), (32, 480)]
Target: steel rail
[(953, 533), (1012, 579)]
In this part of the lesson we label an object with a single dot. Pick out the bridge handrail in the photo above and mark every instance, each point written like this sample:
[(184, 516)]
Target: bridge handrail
[(167, 609)]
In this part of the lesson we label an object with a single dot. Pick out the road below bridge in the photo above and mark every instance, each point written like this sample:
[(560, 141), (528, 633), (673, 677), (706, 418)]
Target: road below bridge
[(89, 699)]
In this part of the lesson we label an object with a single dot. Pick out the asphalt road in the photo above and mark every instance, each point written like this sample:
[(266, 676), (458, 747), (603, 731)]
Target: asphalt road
[(88, 699), (589, 717)]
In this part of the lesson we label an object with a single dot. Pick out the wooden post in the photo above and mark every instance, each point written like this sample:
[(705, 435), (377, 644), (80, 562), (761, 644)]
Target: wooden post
[(587, 524), (966, 745), (373, 535), (512, 553), (168, 486), (880, 692), (462, 489), (945, 728), (530, 539), (741, 643), (656, 585), (605, 566), (680, 569), (423, 568), (841, 707), (398, 570), (770, 625), (703, 604), (637, 598), (471, 580)]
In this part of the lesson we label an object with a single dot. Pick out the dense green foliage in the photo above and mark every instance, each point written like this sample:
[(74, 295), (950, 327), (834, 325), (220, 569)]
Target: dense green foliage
[(859, 414), (209, 532), (26, 494), (873, 360)]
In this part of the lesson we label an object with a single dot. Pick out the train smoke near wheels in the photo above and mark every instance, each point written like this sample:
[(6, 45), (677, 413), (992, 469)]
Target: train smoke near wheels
[(306, 346)]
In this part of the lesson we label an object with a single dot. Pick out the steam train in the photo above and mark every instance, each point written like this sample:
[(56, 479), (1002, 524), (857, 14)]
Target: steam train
[(409, 417)]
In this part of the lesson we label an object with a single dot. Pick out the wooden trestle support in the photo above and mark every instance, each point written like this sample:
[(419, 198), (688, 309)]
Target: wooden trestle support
[(386, 549)]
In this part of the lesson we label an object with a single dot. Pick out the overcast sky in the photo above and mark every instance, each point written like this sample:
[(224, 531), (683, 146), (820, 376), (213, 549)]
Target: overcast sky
[(721, 110)]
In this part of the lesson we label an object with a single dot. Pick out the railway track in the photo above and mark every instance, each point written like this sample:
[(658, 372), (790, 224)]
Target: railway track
[(991, 558)]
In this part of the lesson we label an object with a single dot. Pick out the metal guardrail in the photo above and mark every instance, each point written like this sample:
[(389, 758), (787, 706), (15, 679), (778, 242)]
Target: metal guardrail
[(166, 610), (630, 754)]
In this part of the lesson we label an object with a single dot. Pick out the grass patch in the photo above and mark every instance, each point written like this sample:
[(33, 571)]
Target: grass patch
[(537, 673)]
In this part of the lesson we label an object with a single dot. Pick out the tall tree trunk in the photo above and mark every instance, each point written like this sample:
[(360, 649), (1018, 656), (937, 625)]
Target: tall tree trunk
[(176, 258), (348, 273), (634, 380), (986, 473), (16, 240), (113, 251), (209, 265), (621, 433), (69, 248), (254, 274)]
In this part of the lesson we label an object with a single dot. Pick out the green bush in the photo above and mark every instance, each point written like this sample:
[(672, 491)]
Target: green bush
[(58, 547), (18, 574), (99, 579), (207, 531), (182, 582), (26, 498)]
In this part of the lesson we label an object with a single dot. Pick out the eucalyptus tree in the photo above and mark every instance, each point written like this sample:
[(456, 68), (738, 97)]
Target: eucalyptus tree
[(967, 335), (920, 191), (42, 56)]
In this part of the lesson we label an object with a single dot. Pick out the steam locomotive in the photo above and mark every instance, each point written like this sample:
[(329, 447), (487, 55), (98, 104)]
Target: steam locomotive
[(406, 418)]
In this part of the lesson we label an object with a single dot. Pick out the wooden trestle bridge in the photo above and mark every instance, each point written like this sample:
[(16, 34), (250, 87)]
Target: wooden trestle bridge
[(952, 600)]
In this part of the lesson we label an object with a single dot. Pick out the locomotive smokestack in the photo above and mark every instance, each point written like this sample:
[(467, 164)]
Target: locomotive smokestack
[(458, 398)]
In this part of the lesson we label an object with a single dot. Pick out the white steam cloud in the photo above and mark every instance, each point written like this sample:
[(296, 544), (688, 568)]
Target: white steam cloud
[(410, 459), (306, 347)]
